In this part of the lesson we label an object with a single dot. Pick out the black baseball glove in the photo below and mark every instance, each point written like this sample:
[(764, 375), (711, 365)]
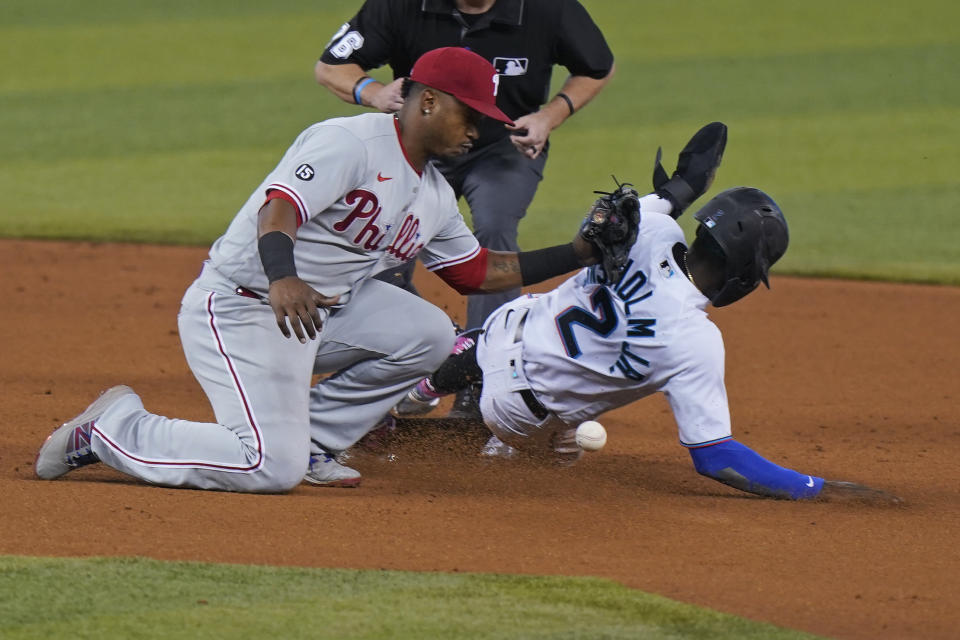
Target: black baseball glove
[(696, 168), (611, 227)]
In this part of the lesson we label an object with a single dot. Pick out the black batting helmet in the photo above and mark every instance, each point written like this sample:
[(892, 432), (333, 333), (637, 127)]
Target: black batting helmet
[(752, 233)]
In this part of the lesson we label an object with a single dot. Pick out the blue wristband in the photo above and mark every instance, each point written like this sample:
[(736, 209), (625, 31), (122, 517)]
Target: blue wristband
[(358, 89)]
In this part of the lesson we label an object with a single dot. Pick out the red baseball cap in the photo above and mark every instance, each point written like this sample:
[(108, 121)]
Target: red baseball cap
[(465, 75)]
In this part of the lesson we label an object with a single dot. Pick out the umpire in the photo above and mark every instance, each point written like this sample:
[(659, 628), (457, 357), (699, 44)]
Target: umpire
[(523, 39)]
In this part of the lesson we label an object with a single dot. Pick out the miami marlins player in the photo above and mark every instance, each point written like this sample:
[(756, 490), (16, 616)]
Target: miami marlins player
[(350, 198), (609, 336)]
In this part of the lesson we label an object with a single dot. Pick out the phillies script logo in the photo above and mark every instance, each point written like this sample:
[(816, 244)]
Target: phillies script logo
[(366, 210), (405, 245)]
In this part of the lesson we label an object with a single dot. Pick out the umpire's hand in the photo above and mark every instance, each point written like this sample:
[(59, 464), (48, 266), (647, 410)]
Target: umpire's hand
[(293, 298)]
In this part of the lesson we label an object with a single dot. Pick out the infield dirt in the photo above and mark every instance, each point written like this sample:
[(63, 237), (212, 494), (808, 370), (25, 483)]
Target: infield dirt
[(851, 381)]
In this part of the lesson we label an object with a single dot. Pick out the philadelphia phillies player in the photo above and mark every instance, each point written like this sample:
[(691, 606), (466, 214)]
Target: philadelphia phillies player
[(350, 198), (551, 362)]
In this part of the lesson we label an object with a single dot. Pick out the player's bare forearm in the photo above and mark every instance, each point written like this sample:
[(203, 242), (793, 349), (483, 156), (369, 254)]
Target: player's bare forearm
[(507, 270), (277, 215), (503, 272)]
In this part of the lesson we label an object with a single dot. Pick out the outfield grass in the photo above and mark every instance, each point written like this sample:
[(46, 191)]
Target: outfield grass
[(138, 598), (152, 121)]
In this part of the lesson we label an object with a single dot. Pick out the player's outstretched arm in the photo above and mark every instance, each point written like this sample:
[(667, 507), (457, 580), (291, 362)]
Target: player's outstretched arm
[(739, 466), (606, 235), (510, 270)]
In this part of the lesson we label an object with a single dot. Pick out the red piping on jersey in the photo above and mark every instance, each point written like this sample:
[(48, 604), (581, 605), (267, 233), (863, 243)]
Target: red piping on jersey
[(284, 193), (243, 398), (396, 125), (436, 266), (468, 276), (276, 194)]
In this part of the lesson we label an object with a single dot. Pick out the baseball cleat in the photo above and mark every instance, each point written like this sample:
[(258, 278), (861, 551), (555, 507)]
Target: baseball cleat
[(466, 405), (415, 404), (696, 168), (68, 447), (497, 448), (377, 441), (325, 471)]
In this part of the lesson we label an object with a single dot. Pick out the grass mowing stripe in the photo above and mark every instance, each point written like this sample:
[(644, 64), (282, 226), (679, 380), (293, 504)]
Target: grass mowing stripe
[(194, 112), (53, 126), (177, 198), (140, 598), (46, 13), (165, 52), (705, 28), (735, 25), (830, 85), (880, 234)]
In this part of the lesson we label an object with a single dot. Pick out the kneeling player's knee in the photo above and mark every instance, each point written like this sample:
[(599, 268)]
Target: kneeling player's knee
[(433, 340), (439, 350), (283, 472), (286, 481)]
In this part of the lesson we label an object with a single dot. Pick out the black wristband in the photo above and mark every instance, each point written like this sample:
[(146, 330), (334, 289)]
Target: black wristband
[(276, 254), (569, 102), (543, 264)]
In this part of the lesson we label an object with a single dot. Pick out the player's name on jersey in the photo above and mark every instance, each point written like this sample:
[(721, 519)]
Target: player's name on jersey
[(604, 318)]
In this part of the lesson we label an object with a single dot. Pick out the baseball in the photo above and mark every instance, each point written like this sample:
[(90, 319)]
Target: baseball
[(591, 436)]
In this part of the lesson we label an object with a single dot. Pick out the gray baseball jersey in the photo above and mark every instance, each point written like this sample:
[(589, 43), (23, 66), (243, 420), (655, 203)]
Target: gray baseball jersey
[(362, 208), (588, 348)]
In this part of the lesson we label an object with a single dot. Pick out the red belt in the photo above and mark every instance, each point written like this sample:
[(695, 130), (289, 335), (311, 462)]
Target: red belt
[(246, 293)]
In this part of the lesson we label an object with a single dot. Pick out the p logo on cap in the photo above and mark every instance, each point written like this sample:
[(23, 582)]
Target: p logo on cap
[(463, 74)]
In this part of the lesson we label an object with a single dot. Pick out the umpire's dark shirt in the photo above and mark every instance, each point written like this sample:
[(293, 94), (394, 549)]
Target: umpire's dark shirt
[(523, 39)]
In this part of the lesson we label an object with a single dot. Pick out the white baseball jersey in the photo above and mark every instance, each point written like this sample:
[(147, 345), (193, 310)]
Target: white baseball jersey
[(588, 348), (362, 206)]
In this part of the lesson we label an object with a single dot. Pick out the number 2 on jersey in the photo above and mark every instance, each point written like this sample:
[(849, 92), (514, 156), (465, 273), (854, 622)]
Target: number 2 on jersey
[(602, 324)]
